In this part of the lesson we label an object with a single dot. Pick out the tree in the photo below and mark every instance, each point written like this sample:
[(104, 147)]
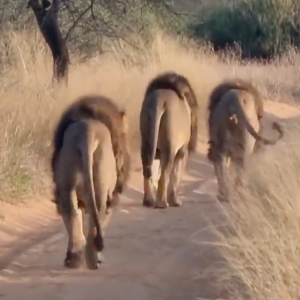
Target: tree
[(46, 14)]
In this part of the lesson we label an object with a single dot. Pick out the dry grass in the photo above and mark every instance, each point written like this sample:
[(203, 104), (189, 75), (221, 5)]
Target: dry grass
[(261, 241), (30, 107), (262, 245)]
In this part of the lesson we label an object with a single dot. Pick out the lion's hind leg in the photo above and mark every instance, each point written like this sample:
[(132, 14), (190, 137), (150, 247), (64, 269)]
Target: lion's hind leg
[(95, 256), (149, 189), (156, 172), (176, 175), (91, 256), (221, 164), (238, 166), (166, 162), (221, 172), (73, 219)]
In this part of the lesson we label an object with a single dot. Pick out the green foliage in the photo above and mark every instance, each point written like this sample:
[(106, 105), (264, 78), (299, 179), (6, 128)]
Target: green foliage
[(92, 26), (105, 22), (262, 28)]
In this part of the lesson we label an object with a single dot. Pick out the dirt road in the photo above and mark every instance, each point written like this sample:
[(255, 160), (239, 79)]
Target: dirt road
[(150, 254)]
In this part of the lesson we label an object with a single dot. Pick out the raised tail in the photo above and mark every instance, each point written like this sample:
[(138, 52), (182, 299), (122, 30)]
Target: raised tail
[(149, 127), (236, 114), (265, 141)]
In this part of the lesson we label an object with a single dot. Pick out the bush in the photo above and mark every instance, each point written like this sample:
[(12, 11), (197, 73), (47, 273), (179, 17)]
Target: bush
[(262, 28)]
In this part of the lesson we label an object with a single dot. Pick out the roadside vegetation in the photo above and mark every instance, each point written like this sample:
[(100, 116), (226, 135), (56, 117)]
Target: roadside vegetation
[(115, 50)]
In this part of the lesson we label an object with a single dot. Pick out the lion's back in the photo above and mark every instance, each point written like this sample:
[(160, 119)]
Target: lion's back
[(88, 107), (98, 108), (181, 86), (234, 138), (217, 94)]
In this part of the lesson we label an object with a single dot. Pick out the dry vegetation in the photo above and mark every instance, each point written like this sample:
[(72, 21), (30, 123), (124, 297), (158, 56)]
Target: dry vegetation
[(30, 107), (262, 245)]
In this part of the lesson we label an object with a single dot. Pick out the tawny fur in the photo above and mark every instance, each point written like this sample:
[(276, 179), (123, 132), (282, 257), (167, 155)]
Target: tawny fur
[(168, 127), (181, 86), (235, 84), (234, 111), (86, 163), (103, 109)]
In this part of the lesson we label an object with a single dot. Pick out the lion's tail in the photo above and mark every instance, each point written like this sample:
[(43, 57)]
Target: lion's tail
[(149, 135), (86, 149), (236, 114)]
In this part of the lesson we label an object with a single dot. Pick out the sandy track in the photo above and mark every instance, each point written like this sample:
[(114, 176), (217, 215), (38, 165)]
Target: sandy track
[(150, 254)]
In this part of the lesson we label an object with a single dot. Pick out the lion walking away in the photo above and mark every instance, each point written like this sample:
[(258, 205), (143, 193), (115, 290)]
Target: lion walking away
[(101, 109), (169, 129), (90, 167), (235, 110)]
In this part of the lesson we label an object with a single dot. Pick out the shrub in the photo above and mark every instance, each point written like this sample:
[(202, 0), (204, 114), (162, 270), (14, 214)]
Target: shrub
[(262, 28)]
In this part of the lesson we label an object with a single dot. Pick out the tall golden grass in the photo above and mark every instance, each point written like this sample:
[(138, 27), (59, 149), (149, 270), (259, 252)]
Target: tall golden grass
[(261, 241), (30, 106), (262, 245)]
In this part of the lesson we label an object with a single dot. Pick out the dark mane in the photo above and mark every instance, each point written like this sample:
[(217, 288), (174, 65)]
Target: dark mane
[(237, 84), (100, 108)]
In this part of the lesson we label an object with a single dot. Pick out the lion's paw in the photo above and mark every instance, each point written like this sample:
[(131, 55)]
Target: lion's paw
[(174, 201), (74, 260), (161, 204), (148, 202), (222, 198)]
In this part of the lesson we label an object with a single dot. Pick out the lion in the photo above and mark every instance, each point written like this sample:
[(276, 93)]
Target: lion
[(102, 109), (86, 163), (235, 110), (169, 129)]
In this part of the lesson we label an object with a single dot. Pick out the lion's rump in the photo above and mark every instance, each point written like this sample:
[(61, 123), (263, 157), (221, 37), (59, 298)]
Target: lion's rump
[(235, 84), (182, 87), (102, 109)]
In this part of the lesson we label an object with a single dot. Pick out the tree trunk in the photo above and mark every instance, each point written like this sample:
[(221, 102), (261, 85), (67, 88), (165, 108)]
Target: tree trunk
[(46, 15)]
